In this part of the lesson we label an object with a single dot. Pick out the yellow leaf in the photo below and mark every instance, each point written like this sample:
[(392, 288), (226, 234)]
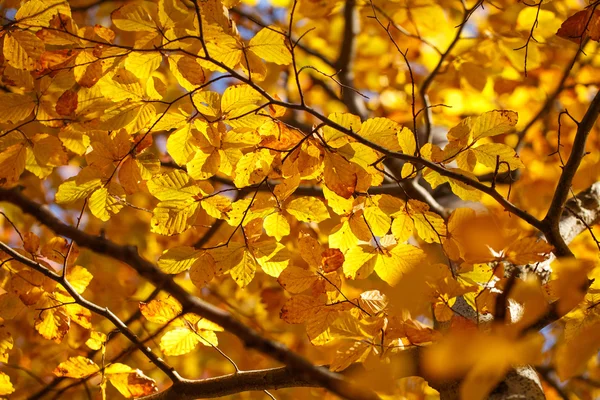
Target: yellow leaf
[(38, 13), (161, 311), (216, 206), (573, 355), (429, 226), (238, 97), (175, 185), (343, 237), (406, 138), (6, 386), (180, 144), (121, 85), (300, 308), (12, 163), (269, 44), (527, 250), (170, 12), (15, 107), (104, 205), (80, 187), (253, 167), (203, 271), (491, 123), (378, 221), (129, 382), (22, 50), (178, 259), (10, 306), (52, 323), (297, 280), (460, 189), (56, 248), (383, 132), (174, 216), (335, 138), (359, 261), (96, 340), (491, 154), (483, 358), (74, 140), (204, 165), (277, 226), (467, 160), (133, 18), (77, 313), (6, 343), (79, 278), (308, 209), (207, 103), (208, 338), (225, 49), (76, 367), (179, 341), (337, 203), (402, 227), (319, 325), (272, 256), (187, 70), (142, 64), (359, 154), (569, 282), (243, 272), (349, 353), (47, 153), (401, 259)]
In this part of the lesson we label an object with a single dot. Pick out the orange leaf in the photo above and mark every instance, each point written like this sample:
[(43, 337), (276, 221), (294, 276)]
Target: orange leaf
[(66, 103), (581, 25)]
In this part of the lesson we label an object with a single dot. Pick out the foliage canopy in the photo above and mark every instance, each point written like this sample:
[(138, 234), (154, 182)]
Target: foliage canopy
[(194, 193)]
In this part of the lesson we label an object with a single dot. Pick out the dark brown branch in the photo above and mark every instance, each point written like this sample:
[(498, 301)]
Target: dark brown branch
[(251, 339), (563, 188), (268, 379)]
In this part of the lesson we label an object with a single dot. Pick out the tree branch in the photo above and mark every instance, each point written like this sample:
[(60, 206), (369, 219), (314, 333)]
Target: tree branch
[(563, 188), (251, 339), (267, 379)]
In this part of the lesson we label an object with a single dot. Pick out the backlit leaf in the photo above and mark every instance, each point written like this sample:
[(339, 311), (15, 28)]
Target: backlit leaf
[(76, 367), (307, 209)]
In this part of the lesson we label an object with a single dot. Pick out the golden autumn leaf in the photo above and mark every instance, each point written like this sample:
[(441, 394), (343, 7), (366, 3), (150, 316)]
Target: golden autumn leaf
[(161, 311), (131, 383), (307, 209), (179, 341), (6, 387), (76, 367), (269, 44)]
